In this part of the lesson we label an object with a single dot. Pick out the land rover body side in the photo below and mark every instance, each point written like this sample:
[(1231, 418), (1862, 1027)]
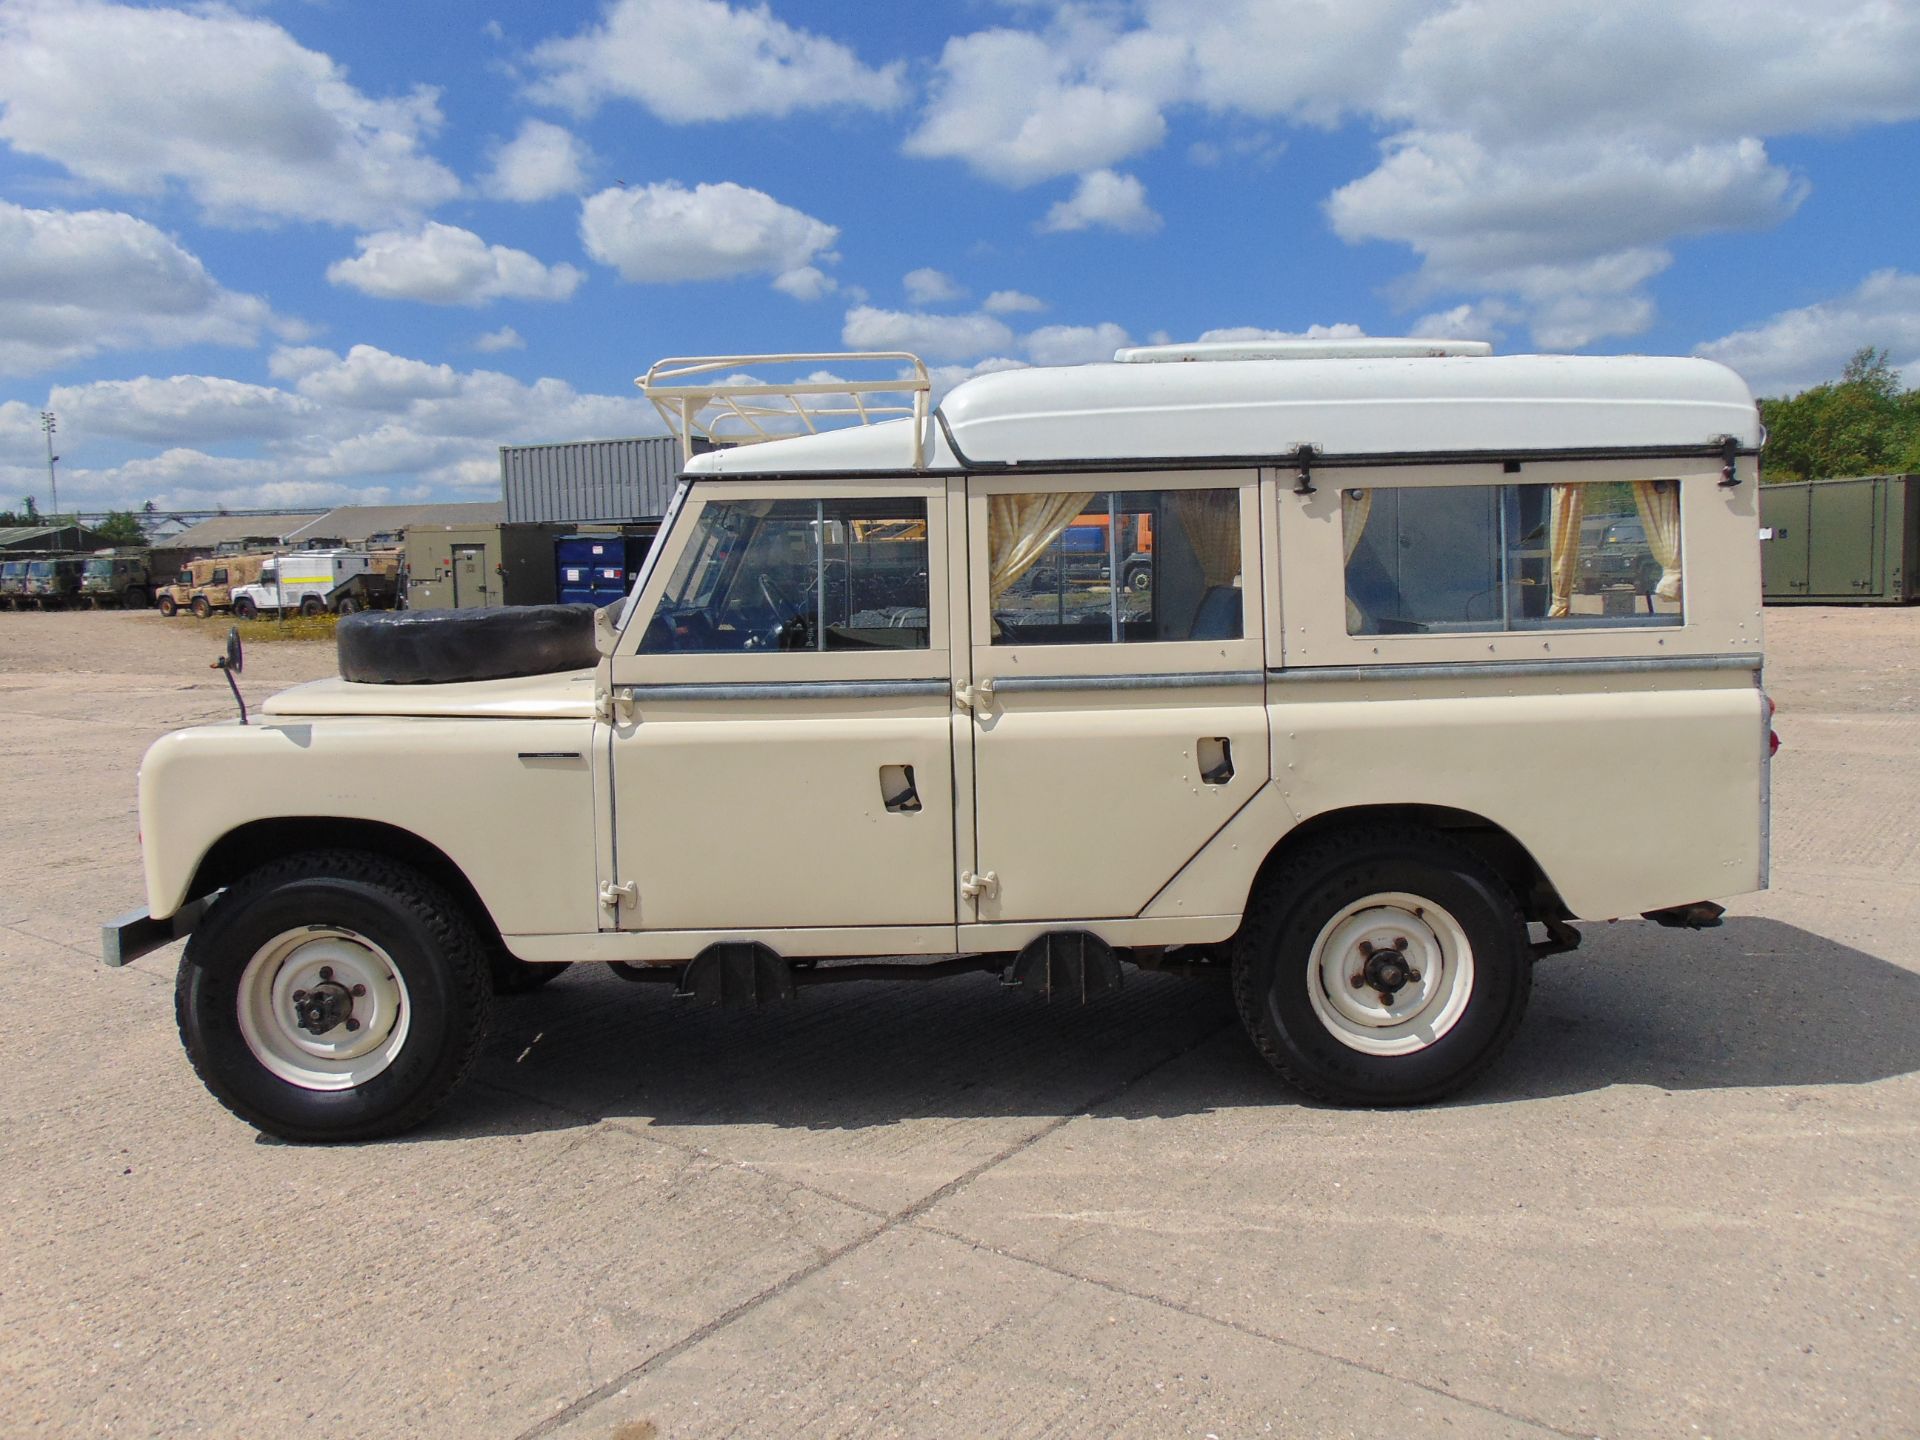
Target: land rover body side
[(1364, 743)]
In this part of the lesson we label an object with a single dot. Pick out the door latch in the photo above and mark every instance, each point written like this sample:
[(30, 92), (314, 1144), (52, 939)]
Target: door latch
[(615, 707), (614, 896), (974, 886), (977, 696)]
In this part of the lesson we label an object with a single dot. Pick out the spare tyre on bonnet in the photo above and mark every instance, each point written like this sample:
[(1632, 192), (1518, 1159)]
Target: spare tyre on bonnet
[(438, 647)]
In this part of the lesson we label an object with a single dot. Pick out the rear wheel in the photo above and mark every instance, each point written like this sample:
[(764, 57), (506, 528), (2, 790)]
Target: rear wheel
[(136, 598), (332, 996), (167, 606), (1386, 966), (202, 607), (347, 606)]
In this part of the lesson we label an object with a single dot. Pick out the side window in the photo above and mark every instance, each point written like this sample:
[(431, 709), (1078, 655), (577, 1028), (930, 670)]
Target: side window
[(219, 577), (792, 575), (1512, 557), (1114, 567)]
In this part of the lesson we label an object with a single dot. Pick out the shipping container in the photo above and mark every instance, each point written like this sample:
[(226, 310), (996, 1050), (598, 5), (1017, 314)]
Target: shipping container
[(1847, 541), (616, 481), (466, 567), (598, 569)]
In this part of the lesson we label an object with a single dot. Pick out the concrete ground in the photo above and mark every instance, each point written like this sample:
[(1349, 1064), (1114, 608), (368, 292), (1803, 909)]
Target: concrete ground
[(1683, 1205)]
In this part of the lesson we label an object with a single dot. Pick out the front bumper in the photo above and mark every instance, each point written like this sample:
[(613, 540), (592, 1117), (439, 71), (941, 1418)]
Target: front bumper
[(136, 933)]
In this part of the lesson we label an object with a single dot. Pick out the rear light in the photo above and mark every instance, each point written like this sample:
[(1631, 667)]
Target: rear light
[(1773, 736)]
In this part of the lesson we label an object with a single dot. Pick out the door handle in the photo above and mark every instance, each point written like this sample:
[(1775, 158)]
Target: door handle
[(897, 790), (1214, 755)]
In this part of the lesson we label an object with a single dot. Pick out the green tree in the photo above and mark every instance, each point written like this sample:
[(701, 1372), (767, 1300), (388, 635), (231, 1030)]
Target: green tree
[(121, 527), (1861, 424)]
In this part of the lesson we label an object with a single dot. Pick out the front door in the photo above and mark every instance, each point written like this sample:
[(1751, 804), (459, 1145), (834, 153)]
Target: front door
[(470, 576), (782, 743), (1118, 699)]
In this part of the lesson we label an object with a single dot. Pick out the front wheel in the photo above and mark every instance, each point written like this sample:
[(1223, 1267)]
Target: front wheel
[(313, 605), (1387, 966), (333, 996), (168, 606), (245, 609)]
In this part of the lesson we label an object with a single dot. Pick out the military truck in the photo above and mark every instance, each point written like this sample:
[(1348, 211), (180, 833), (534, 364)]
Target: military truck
[(113, 579), (13, 580), (1370, 820), (54, 583)]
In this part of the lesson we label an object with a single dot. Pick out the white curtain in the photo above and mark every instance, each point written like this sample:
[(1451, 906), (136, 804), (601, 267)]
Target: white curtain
[(1355, 507), (1019, 530), (1658, 502), (1568, 505)]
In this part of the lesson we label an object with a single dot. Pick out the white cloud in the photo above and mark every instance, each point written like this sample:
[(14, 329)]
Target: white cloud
[(945, 377), (1075, 344), (199, 409), (253, 125), (808, 282), (445, 265), (1106, 199), (542, 161), (1812, 344), (694, 60), (1486, 320), (1011, 302), (938, 337), (1019, 107), (74, 283), (927, 286), (660, 234), (362, 427), (494, 341)]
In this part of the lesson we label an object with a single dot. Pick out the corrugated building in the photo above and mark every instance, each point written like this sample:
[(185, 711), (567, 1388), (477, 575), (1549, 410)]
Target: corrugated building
[(239, 531), (589, 480), (49, 537), (386, 524)]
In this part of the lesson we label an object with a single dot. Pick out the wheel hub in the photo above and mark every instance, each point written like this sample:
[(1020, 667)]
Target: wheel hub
[(1387, 971), (327, 1005), (1390, 973)]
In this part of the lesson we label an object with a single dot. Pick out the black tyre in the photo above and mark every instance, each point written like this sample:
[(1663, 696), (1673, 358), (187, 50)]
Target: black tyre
[(514, 976), (347, 606), (393, 990), (202, 607), (1386, 966), (245, 609), (313, 605), (432, 647), (168, 606), (135, 598)]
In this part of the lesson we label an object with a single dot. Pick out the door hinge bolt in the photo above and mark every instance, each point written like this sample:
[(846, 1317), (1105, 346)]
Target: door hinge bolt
[(614, 706), (977, 696), (614, 896), (974, 886)]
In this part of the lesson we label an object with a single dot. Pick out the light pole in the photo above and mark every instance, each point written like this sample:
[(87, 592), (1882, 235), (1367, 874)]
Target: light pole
[(49, 424)]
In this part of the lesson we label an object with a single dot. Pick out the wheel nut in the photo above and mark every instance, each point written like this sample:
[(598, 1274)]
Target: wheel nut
[(326, 972), (359, 989), (1413, 977), (352, 1024), (298, 996), (1399, 942), (1366, 948), (1360, 980)]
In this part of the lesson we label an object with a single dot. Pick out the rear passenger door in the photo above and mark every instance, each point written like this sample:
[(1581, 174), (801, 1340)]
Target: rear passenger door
[(1117, 722)]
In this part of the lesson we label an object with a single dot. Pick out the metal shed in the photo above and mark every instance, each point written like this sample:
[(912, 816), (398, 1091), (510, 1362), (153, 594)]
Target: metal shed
[(589, 480), (1847, 541)]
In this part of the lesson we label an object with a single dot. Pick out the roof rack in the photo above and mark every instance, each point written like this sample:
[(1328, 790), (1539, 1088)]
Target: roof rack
[(709, 396)]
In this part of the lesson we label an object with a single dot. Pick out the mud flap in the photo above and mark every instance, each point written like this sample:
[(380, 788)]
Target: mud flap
[(735, 976), (1068, 964)]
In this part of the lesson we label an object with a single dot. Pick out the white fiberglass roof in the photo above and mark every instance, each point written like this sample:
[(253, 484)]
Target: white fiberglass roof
[(1213, 407)]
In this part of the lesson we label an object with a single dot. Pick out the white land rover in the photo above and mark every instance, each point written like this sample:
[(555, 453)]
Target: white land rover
[(1351, 727)]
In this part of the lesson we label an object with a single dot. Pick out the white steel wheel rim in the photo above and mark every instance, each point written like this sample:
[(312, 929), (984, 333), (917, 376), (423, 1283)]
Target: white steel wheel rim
[(344, 1056), (1434, 947)]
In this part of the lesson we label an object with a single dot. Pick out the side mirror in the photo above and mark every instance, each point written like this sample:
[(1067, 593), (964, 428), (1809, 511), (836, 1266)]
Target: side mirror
[(230, 665)]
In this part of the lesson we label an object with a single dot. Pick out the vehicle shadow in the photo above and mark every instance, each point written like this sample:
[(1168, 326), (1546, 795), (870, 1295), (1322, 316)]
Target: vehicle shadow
[(1756, 1003)]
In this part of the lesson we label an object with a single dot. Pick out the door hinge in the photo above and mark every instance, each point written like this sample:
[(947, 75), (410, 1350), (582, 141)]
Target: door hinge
[(614, 896), (974, 886), (614, 706), (977, 696)]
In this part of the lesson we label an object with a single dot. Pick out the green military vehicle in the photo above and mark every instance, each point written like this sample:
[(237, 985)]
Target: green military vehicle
[(116, 578), (54, 583), (13, 581)]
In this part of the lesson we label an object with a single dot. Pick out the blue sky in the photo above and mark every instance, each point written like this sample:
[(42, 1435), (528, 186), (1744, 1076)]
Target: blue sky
[(319, 250)]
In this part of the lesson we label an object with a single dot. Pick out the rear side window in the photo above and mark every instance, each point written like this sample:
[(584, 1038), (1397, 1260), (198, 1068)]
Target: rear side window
[(1114, 567), (1512, 557), (798, 575)]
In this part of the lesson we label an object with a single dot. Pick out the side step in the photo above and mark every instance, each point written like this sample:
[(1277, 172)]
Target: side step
[(1070, 964)]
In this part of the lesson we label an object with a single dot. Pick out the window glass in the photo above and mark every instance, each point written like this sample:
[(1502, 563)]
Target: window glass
[(1512, 557), (797, 575), (1093, 568)]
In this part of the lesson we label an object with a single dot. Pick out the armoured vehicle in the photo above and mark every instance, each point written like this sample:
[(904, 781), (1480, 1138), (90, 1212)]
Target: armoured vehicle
[(1362, 746)]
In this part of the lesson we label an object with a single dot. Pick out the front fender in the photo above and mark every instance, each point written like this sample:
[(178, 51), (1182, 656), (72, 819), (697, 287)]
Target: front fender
[(510, 802)]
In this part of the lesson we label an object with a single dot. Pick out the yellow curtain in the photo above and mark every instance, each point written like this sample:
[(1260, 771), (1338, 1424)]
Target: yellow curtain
[(1567, 506), (1658, 502), (1019, 530), (1355, 507), (1211, 519)]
